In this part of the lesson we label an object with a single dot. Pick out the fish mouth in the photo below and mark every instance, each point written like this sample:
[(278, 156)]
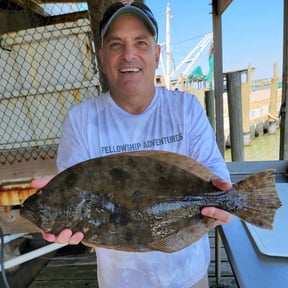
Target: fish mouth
[(28, 214), (32, 216)]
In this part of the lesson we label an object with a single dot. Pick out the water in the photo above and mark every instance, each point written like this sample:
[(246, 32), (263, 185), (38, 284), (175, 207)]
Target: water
[(264, 147)]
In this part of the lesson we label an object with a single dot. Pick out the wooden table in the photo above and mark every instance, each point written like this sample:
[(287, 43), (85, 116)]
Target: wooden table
[(251, 267)]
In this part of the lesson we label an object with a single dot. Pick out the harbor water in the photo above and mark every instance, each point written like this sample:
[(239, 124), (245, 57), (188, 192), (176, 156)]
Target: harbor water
[(262, 148)]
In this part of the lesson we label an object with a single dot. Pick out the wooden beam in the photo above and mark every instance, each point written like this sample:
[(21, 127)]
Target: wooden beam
[(33, 6), (222, 6), (71, 17)]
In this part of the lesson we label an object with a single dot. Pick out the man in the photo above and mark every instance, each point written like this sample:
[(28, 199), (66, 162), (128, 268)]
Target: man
[(134, 115)]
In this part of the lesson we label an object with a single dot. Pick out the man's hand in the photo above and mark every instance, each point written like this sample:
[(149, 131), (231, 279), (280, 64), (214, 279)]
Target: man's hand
[(39, 183), (220, 215), (65, 236)]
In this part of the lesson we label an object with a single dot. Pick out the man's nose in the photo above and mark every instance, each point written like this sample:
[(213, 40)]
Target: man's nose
[(128, 52)]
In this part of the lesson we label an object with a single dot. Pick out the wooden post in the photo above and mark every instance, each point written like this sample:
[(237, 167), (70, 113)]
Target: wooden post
[(218, 7), (168, 48), (210, 107), (273, 103), (218, 76), (182, 82), (246, 89), (235, 115), (96, 10), (283, 154)]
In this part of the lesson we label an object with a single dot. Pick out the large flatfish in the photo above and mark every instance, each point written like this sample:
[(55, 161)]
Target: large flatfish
[(146, 200)]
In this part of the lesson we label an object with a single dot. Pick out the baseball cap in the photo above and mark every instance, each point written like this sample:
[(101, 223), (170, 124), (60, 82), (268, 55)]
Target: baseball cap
[(117, 9)]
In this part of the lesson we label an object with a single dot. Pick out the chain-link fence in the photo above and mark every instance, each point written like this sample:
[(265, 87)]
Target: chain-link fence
[(47, 64)]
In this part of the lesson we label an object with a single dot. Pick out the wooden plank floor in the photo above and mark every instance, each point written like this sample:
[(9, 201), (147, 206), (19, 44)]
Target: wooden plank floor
[(227, 277), (68, 268)]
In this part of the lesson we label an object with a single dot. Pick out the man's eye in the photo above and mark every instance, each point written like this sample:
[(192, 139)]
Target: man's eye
[(114, 45), (142, 43)]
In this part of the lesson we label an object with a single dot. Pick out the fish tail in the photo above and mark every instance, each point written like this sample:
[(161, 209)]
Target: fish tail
[(261, 199)]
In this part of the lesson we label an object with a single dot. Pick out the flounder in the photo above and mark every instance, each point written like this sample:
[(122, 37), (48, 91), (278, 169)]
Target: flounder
[(145, 200)]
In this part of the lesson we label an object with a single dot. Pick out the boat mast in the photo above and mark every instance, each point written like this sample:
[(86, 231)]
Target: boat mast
[(168, 48)]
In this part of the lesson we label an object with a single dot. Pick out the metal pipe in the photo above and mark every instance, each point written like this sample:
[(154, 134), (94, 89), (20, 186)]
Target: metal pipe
[(33, 254), (9, 238)]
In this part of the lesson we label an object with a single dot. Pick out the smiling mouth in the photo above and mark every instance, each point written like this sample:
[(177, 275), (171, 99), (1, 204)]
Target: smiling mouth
[(130, 70)]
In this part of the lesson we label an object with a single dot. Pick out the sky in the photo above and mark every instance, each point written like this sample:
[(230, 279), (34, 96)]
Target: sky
[(252, 33)]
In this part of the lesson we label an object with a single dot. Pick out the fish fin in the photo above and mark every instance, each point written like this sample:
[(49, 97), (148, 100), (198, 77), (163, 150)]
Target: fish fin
[(89, 244), (262, 199), (182, 162), (126, 248), (183, 237)]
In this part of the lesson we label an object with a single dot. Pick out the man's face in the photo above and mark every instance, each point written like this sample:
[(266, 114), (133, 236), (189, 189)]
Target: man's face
[(129, 56)]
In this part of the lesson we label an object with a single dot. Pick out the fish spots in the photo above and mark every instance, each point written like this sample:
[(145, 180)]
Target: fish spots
[(118, 174), (138, 198), (120, 216), (70, 178), (129, 235), (119, 177)]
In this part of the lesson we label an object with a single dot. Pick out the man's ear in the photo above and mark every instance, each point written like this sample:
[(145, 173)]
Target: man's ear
[(157, 54)]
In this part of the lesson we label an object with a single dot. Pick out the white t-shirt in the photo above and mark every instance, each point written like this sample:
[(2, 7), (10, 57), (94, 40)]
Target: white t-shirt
[(174, 121)]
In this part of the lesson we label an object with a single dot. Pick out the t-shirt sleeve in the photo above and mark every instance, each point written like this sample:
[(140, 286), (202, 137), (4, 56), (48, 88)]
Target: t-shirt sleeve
[(202, 141), (71, 149)]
